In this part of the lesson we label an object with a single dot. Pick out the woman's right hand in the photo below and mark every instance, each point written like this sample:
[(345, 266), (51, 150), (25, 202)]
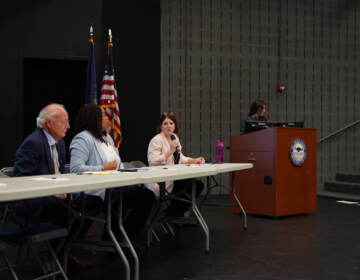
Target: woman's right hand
[(112, 165), (173, 144)]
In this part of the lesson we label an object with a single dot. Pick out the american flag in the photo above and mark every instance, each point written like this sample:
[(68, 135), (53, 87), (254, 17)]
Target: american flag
[(109, 98), (91, 88)]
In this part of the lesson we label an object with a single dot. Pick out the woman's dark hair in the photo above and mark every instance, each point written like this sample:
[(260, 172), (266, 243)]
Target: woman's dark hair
[(255, 107), (170, 116), (89, 118)]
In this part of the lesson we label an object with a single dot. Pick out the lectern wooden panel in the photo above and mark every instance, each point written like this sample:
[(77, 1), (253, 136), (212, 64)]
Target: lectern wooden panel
[(276, 186)]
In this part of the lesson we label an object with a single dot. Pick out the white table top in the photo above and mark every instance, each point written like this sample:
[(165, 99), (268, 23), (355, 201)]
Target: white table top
[(36, 186)]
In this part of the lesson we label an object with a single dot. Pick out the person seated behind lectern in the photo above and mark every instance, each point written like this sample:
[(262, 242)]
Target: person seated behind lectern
[(257, 113)]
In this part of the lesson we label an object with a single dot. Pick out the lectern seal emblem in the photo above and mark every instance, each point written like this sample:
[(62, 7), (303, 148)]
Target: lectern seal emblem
[(298, 152)]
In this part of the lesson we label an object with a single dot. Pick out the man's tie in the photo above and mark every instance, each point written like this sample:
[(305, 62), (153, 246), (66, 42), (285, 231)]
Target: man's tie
[(55, 158)]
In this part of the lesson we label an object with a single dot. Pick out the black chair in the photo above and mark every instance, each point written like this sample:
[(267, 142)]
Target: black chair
[(137, 164), (31, 237), (67, 168), (7, 264), (160, 219), (157, 217), (128, 165), (6, 171)]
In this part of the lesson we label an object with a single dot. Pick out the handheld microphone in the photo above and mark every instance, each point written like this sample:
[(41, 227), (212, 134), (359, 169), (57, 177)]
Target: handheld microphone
[(178, 148)]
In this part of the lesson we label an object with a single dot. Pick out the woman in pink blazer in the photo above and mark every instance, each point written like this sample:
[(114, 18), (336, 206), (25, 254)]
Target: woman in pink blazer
[(165, 149)]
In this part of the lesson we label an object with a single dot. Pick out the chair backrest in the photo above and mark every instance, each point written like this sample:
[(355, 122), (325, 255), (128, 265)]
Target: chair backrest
[(6, 172), (138, 163), (128, 165), (4, 209)]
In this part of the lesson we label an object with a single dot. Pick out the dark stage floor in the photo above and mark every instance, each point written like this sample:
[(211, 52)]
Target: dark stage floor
[(324, 245)]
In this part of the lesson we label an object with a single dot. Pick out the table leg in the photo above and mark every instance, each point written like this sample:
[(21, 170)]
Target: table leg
[(113, 238), (233, 190), (156, 212), (127, 240), (199, 217)]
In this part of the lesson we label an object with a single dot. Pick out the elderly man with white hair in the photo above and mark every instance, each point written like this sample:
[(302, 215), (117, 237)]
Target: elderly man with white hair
[(35, 155)]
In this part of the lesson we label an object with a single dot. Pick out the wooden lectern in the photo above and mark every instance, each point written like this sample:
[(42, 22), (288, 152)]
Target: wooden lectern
[(276, 186)]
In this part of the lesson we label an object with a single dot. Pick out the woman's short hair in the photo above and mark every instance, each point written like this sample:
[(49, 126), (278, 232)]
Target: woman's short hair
[(89, 117), (170, 116), (255, 106)]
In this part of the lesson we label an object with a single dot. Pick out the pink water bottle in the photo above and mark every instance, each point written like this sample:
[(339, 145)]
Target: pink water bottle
[(219, 151)]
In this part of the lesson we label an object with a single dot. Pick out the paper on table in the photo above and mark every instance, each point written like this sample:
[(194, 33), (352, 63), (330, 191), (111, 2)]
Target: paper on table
[(142, 169), (52, 179), (100, 172)]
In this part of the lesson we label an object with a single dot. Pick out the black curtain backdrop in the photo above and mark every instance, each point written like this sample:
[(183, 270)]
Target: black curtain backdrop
[(43, 59), (52, 81), (136, 37)]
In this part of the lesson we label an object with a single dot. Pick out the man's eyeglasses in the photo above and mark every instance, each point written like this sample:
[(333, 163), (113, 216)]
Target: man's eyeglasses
[(64, 122)]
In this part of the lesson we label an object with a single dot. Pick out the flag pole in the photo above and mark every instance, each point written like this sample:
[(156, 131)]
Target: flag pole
[(109, 45), (91, 32), (91, 87), (109, 97)]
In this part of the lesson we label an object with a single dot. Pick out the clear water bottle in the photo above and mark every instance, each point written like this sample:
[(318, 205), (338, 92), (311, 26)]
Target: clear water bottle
[(219, 151)]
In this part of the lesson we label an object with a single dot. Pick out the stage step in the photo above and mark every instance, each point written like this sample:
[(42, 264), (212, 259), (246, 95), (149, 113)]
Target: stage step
[(348, 177), (342, 187)]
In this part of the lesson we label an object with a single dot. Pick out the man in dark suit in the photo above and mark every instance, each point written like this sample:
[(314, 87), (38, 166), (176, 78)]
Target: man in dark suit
[(34, 157), (43, 152)]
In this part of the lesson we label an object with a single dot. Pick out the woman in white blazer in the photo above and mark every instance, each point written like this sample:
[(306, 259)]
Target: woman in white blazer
[(92, 149)]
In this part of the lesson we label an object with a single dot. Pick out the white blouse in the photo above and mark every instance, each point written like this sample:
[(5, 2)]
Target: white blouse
[(110, 153)]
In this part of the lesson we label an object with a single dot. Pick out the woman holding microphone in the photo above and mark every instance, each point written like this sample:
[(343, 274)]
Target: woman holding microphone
[(165, 149)]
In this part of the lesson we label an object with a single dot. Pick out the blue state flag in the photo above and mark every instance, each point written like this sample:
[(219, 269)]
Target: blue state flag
[(91, 88)]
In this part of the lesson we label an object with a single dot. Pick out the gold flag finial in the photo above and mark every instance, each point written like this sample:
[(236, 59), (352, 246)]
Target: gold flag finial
[(110, 36)]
